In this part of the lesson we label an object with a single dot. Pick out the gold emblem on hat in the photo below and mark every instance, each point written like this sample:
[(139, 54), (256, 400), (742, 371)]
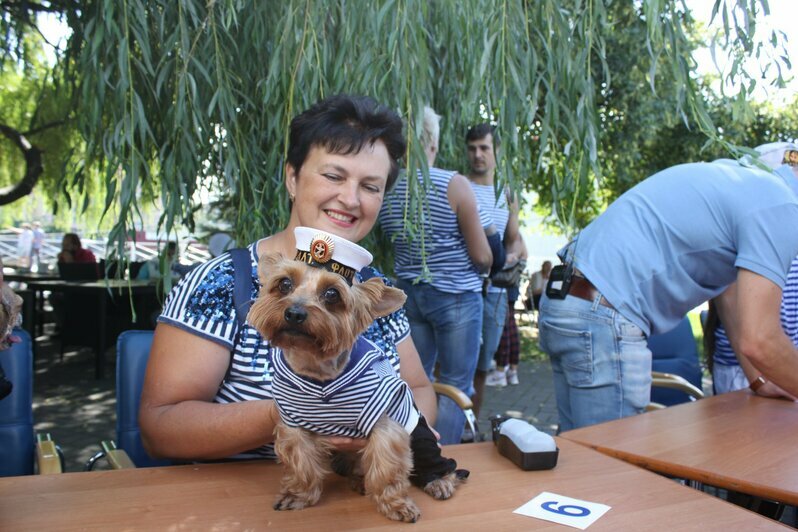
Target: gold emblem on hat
[(321, 248)]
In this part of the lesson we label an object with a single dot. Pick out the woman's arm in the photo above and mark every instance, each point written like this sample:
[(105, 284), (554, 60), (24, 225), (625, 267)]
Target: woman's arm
[(412, 372), (177, 416)]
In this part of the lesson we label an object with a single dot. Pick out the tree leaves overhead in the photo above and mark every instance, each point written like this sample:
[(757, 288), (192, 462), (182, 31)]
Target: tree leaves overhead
[(186, 96)]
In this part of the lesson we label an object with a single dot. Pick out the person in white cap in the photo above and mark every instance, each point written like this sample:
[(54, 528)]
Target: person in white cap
[(677, 239), (207, 393), (730, 371)]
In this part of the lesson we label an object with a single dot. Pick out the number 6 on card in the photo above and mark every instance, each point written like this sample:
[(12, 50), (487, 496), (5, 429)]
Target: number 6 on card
[(564, 510)]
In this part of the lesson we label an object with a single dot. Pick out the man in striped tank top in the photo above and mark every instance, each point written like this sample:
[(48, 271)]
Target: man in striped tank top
[(440, 268), (482, 142)]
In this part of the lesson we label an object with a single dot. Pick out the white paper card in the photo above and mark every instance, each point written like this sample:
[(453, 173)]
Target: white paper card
[(564, 510)]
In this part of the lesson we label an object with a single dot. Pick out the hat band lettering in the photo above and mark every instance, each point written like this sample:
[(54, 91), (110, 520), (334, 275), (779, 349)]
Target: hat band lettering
[(331, 265)]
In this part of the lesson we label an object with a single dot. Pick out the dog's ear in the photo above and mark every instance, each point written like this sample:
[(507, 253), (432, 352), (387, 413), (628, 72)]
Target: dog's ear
[(266, 264), (383, 299)]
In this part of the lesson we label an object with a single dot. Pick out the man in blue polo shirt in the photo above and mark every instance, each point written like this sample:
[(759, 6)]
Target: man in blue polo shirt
[(683, 236)]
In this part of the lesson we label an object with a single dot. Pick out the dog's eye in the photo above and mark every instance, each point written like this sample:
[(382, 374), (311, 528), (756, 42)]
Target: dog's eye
[(331, 295), (285, 285)]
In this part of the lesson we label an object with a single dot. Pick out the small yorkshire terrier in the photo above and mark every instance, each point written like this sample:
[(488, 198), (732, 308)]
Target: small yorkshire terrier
[(329, 380)]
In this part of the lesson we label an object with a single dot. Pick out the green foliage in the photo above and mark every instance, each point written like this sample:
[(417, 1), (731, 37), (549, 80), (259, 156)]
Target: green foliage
[(35, 102), (181, 102)]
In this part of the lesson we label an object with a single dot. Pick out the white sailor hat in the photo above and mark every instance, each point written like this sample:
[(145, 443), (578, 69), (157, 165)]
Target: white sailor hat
[(331, 252), (775, 154)]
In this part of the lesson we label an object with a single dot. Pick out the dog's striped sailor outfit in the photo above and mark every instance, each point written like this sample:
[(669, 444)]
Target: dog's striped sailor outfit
[(352, 403)]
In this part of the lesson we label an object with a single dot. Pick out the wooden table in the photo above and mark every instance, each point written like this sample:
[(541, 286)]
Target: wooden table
[(239, 496), (736, 441), (122, 290)]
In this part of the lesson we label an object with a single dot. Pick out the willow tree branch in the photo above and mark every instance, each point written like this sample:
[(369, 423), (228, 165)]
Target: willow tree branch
[(33, 166)]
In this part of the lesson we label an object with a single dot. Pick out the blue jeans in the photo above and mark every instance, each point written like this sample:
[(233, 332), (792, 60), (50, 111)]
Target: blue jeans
[(445, 328), (493, 317), (600, 361)]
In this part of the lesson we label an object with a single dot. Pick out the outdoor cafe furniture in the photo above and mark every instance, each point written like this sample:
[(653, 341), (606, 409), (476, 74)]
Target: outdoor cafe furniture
[(91, 322), (737, 441), (239, 496)]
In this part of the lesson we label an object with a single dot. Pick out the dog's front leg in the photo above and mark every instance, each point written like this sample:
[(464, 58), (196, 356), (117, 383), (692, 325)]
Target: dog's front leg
[(306, 460), (387, 462)]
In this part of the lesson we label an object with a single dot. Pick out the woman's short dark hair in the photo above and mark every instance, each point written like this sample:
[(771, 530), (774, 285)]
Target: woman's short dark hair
[(480, 131), (343, 124)]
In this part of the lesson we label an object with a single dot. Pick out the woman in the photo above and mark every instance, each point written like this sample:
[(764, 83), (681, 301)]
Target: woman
[(343, 154), (73, 251), (444, 293)]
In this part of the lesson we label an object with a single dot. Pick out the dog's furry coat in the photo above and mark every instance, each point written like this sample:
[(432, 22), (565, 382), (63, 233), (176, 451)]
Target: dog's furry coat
[(316, 319)]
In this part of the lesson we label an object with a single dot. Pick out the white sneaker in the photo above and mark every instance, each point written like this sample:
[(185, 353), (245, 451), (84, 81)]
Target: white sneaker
[(496, 378), (512, 377)]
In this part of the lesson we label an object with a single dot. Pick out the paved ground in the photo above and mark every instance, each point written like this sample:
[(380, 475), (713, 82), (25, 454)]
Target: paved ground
[(69, 403), (79, 410)]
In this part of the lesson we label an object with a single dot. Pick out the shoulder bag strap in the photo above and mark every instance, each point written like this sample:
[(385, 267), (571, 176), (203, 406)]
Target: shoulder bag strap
[(242, 284), (242, 292)]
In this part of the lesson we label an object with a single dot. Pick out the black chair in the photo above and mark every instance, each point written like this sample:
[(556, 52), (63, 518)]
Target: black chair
[(78, 271), (108, 269), (135, 267)]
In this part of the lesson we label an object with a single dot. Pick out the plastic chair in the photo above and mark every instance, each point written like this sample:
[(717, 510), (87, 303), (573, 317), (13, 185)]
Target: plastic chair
[(20, 452), (676, 372), (132, 353)]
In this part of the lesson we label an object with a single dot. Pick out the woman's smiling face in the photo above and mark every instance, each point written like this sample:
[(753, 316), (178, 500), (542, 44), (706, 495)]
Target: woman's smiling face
[(341, 194)]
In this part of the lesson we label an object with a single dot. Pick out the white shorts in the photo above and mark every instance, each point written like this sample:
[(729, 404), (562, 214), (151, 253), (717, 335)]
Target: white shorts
[(728, 378)]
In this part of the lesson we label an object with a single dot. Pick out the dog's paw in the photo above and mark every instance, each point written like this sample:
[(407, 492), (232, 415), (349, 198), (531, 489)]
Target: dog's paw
[(358, 484), (443, 488), (400, 510), (294, 501)]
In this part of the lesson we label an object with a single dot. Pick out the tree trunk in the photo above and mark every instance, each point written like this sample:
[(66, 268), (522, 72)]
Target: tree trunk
[(33, 166)]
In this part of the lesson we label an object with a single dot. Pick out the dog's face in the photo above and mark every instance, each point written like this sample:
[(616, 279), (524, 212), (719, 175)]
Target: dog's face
[(10, 306), (313, 315)]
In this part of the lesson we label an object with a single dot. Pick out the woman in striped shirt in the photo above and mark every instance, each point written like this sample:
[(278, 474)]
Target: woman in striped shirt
[(207, 393)]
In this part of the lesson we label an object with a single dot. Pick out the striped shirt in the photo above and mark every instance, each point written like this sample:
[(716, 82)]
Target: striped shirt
[(352, 403), (438, 237), (496, 208), (724, 354), (202, 304)]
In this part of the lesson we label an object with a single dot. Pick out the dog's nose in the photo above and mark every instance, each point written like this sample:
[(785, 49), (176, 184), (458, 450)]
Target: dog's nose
[(295, 315)]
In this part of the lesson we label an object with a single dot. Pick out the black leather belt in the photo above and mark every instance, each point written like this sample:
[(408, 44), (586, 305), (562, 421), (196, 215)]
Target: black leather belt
[(584, 289)]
